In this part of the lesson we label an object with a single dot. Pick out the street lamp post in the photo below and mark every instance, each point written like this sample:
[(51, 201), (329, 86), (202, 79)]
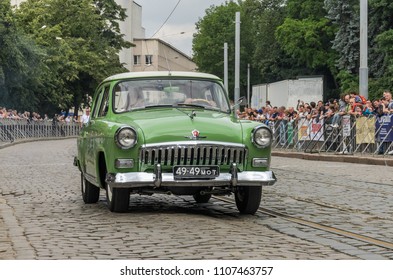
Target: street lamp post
[(248, 86), (237, 57), (226, 67), (363, 69)]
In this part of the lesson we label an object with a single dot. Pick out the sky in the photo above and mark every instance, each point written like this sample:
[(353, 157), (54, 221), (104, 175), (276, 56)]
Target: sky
[(179, 28)]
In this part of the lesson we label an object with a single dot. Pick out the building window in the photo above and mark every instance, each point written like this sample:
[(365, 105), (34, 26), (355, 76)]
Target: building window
[(148, 59), (137, 59)]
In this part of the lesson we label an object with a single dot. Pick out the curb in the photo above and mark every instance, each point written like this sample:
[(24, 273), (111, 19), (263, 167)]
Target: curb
[(336, 158), (9, 144)]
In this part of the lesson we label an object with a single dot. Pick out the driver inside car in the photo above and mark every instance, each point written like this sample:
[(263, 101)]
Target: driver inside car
[(135, 99)]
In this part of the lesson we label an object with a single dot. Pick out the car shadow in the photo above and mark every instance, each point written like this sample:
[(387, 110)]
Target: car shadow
[(171, 204)]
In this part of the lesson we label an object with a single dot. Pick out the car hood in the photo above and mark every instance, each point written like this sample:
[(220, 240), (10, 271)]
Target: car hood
[(169, 125)]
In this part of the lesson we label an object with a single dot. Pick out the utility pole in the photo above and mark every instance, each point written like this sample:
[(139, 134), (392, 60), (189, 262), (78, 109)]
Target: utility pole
[(226, 67), (237, 58), (248, 85), (363, 69)]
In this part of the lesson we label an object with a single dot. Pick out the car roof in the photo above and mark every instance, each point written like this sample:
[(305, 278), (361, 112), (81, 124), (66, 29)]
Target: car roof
[(161, 74)]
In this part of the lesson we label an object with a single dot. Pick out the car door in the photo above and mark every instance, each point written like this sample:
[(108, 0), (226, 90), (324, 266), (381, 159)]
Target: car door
[(93, 132)]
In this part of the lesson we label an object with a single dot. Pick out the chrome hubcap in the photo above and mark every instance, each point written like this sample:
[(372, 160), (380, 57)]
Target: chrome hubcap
[(83, 185)]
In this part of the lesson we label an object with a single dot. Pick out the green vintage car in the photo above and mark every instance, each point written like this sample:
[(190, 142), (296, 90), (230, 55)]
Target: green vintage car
[(171, 133)]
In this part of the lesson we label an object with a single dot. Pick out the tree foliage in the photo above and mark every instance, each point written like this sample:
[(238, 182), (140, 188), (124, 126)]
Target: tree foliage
[(216, 28), (20, 63), (346, 40), (76, 44), (258, 47), (54, 52), (269, 61), (306, 35), (283, 39)]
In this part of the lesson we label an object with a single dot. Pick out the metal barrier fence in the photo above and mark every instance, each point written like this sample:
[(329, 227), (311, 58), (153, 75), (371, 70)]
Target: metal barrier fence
[(363, 135), (350, 135), (13, 130)]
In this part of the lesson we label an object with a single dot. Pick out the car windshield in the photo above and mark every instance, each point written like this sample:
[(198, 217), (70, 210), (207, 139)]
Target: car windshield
[(139, 94)]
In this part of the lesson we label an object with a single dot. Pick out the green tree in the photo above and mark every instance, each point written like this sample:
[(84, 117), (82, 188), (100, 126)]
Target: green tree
[(346, 42), (380, 47), (272, 62), (20, 64), (218, 27), (81, 40), (380, 21), (213, 30), (385, 81), (345, 16), (306, 36)]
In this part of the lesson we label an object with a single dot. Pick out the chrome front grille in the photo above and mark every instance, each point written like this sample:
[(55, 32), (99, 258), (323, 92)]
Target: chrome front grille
[(193, 154)]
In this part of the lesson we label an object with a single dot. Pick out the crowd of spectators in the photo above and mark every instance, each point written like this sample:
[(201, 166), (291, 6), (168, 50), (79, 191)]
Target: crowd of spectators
[(349, 104), (11, 114)]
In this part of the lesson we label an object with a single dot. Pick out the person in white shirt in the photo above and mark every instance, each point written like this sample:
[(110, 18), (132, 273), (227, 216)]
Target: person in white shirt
[(85, 117)]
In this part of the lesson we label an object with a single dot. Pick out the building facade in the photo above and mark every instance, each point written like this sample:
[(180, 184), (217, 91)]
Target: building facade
[(148, 54), (157, 55), (130, 27)]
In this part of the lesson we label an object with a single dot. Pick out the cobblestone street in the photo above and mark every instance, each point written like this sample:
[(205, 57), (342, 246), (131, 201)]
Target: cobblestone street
[(42, 215)]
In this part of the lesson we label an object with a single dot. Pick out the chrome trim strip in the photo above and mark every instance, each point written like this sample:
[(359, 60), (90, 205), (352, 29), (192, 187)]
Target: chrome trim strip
[(214, 155), (207, 157), (169, 151), (176, 156), (142, 179), (193, 143), (182, 155)]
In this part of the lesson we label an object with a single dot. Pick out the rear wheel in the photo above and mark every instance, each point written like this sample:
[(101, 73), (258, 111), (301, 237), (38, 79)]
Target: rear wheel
[(90, 193), (248, 199), (202, 198), (118, 199)]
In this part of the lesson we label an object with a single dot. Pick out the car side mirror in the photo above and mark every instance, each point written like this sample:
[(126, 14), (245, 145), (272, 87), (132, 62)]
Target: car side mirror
[(241, 101)]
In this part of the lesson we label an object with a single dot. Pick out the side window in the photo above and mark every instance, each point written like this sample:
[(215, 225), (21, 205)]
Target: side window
[(96, 103), (104, 103)]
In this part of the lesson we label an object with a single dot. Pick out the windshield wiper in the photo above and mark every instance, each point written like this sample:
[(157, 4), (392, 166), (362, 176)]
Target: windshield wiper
[(191, 105), (193, 114), (158, 106)]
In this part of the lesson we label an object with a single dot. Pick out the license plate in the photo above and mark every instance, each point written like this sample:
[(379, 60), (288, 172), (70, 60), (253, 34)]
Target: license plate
[(195, 172)]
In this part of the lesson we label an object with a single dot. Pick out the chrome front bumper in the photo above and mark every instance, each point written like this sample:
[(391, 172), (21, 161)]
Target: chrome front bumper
[(159, 179)]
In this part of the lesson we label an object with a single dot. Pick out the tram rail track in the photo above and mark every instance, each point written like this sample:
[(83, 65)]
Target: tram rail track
[(315, 225)]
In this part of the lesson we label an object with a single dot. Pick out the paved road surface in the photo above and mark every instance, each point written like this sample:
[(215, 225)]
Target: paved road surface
[(42, 215)]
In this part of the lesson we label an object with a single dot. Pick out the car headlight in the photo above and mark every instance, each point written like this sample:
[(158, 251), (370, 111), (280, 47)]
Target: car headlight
[(125, 137), (261, 137)]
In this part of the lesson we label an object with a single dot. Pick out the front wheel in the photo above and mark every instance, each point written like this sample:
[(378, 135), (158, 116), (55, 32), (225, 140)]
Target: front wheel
[(90, 193), (118, 199), (248, 199)]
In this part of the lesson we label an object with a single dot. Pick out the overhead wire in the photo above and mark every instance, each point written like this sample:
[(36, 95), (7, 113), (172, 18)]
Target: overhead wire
[(162, 25), (173, 10)]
